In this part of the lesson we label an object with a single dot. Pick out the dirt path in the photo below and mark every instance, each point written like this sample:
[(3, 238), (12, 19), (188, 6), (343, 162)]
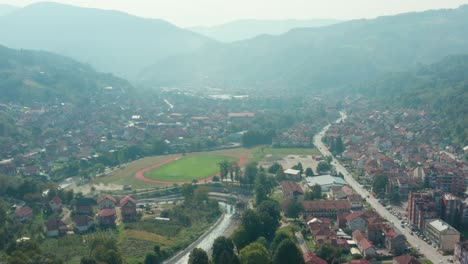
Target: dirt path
[(141, 174)]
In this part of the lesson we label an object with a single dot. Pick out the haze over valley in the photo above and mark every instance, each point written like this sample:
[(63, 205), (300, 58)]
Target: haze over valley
[(285, 132)]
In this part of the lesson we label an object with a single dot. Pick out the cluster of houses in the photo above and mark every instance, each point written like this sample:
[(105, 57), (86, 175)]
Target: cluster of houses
[(327, 220), (83, 216), (378, 143)]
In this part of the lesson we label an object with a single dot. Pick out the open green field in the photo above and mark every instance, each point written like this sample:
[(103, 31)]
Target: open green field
[(189, 167)]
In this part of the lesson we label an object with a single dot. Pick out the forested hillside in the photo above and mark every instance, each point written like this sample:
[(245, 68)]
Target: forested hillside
[(442, 88), (34, 76), (111, 41), (314, 59)]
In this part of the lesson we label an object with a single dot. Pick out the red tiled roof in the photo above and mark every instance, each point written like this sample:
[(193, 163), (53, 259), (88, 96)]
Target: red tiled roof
[(289, 187), (311, 258), (106, 212), (82, 220), (361, 240), (124, 200), (23, 211), (56, 200), (54, 224), (359, 261), (107, 196), (406, 259), (326, 204)]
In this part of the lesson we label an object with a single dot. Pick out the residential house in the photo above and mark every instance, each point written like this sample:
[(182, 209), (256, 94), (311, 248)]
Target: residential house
[(461, 252), (394, 242), (24, 213), (55, 227), (128, 209), (83, 223), (107, 201), (84, 206), (311, 258), (405, 259), (106, 217), (326, 208), (292, 190), (324, 235), (442, 234), (364, 245), (356, 221), (55, 204)]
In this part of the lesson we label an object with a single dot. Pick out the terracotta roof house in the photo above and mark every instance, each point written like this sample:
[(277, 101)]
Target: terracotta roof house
[(107, 201), (55, 204), (311, 258), (292, 190), (326, 208), (394, 242), (24, 213), (366, 247), (55, 227), (83, 223), (106, 217), (405, 259), (128, 209)]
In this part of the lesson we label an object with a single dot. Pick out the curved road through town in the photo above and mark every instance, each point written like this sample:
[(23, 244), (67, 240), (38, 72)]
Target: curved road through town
[(206, 241), (427, 250)]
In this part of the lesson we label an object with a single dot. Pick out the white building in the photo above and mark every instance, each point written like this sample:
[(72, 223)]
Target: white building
[(325, 181), (442, 234)]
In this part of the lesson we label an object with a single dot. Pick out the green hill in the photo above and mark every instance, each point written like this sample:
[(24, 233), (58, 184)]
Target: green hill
[(34, 76), (442, 88), (111, 41), (335, 56)]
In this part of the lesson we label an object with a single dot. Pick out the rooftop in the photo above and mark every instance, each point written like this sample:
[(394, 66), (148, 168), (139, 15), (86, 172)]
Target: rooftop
[(325, 180)]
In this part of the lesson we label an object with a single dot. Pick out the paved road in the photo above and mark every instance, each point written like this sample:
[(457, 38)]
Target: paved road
[(207, 241), (429, 251)]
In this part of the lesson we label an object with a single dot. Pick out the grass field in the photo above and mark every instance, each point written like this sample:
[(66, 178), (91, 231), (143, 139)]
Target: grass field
[(189, 167), (126, 174)]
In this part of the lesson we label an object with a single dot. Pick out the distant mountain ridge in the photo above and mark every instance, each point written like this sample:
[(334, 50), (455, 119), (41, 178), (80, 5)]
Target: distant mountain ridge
[(311, 59), (249, 28), (28, 76), (109, 40)]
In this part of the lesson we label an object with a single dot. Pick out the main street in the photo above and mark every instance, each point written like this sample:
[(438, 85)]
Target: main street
[(429, 251)]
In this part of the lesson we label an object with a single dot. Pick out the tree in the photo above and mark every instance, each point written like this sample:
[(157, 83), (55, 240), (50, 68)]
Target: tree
[(152, 258), (379, 184), (250, 172), (315, 194), (198, 256), (280, 176), (223, 251), (339, 148), (88, 260), (309, 172), (294, 209), (223, 169), (188, 191), (274, 168), (270, 216), (298, 167), (241, 238), (279, 237), (288, 252), (323, 166), (252, 223), (255, 253)]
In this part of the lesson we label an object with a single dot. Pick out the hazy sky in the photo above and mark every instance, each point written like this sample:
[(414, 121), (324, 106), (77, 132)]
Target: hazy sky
[(210, 12)]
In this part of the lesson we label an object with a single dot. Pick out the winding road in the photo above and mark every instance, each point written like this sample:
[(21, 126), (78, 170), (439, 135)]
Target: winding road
[(427, 250)]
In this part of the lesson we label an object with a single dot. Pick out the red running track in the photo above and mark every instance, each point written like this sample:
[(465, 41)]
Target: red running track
[(141, 174)]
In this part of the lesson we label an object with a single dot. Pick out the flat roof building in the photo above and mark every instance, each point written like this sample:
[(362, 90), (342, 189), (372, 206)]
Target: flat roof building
[(325, 181), (442, 234)]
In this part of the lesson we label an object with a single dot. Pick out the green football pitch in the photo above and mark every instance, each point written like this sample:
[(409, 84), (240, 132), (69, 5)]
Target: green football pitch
[(188, 168)]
